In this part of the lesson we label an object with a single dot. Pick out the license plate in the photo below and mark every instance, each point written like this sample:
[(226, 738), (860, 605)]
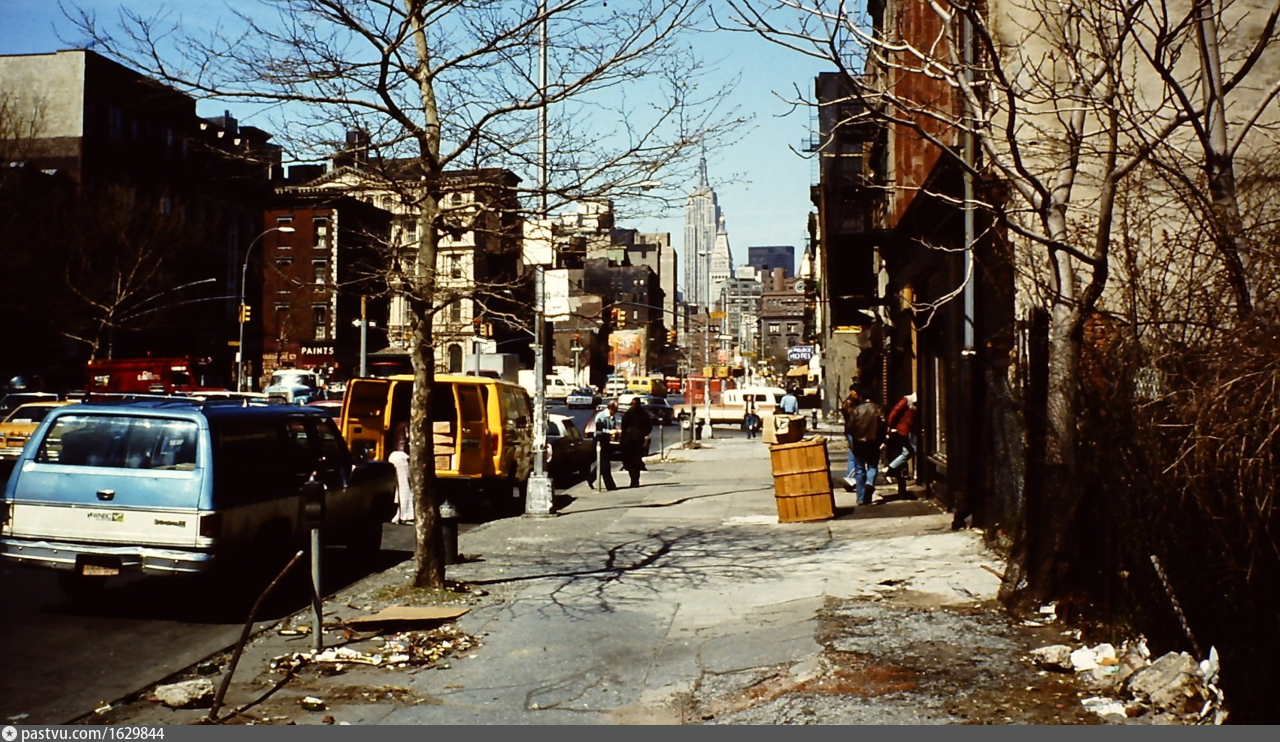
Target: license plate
[(95, 570)]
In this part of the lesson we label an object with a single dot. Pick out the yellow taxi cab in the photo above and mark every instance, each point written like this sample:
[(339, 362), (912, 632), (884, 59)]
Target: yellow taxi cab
[(16, 429)]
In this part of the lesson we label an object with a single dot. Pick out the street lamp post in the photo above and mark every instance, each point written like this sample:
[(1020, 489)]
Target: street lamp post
[(706, 346), (241, 310), (540, 491)]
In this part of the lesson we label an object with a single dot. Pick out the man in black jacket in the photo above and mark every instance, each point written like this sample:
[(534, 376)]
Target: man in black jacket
[(864, 429), (636, 427)]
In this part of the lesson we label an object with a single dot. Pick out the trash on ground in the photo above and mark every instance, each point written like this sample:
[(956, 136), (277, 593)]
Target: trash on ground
[(196, 693), (1053, 657), (406, 648), (408, 614), (1104, 706), (311, 703), (1173, 684)]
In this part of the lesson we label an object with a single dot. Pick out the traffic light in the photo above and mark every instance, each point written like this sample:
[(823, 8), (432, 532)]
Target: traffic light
[(671, 337), (245, 313)]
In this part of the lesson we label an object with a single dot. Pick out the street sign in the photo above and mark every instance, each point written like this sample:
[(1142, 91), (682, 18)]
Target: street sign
[(797, 353), (234, 343), (717, 315)]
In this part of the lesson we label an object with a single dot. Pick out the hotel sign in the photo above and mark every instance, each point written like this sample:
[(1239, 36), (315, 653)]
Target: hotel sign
[(799, 353)]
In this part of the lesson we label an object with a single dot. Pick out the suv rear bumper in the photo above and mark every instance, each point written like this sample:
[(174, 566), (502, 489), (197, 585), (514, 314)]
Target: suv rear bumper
[(129, 558)]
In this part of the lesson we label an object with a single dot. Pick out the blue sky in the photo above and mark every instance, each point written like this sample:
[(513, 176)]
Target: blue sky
[(762, 185)]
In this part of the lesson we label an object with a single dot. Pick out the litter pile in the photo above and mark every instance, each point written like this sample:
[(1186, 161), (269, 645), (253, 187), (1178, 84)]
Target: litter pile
[(430, 648), (1130, 684)]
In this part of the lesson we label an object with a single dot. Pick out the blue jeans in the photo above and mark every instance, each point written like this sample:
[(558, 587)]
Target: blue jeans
[(908, 450), (864, 458)]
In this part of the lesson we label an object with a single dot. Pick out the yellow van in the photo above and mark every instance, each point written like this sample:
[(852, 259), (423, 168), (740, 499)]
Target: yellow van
[(482, 430), (654, 386)]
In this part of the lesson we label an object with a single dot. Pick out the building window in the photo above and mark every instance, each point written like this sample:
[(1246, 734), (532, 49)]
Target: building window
[(455, 199), (455, 359), (283, 263), (775, 328), (319, 317), (455, 312), (321, 226), (455, 265), (284, 221), (791, 327), (321, 268)]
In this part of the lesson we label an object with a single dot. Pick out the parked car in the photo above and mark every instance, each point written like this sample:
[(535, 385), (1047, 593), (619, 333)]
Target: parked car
[(659, 409), (11, 401), (20, 424), (616, 385), (583, 398), (294, 386), (569, 452), (185, 486)]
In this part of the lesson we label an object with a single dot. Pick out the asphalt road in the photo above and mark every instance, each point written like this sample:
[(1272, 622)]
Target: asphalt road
[(62, 659)]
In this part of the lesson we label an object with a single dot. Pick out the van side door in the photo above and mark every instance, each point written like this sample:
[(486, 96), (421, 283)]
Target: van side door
[(473, 445)]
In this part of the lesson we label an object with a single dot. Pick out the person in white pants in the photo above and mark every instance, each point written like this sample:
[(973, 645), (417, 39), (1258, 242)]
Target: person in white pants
[(399, 458)]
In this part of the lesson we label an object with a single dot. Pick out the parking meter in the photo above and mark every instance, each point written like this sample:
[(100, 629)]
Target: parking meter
[(683, 418), (313, 502), (313, 517)]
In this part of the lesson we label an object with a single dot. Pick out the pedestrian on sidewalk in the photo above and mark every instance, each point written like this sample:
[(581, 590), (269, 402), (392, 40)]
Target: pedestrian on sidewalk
[(789, 404), (751, 421), (606, 426), (902, 436), (399, 458), (846, 415), (865, 431), (636, 427)]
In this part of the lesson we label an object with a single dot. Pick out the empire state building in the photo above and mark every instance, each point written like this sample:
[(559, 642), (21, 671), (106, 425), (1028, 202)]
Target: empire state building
[(701, 223)]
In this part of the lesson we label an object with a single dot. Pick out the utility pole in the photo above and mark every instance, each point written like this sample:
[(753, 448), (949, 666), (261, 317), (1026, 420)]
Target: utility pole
[(364, 336), (540, 492)]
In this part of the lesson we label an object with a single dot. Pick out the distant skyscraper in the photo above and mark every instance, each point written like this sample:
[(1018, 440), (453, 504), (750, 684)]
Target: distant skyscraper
[(765, 259), (721, 259), (701, 223)]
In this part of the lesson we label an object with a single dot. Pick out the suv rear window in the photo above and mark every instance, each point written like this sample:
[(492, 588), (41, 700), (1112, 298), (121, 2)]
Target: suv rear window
[(120, 442)]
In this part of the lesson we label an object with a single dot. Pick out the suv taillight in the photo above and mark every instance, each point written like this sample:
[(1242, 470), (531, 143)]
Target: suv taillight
[(210, 524)]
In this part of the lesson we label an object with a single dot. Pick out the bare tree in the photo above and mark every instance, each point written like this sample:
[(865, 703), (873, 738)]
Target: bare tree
[(452, 84), (122, 263), (1061, 103)]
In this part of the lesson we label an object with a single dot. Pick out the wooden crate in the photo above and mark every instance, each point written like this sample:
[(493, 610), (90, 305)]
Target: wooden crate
[(802, 481)]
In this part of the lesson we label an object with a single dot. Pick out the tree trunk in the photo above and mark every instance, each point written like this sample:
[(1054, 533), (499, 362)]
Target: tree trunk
[(1219, 166), (428, 550)]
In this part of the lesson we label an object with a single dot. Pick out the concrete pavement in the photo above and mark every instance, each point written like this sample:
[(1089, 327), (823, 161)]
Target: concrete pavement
[(686, 601)]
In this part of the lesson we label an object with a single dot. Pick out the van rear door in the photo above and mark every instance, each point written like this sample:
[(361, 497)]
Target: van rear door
[(365, 407), (114, 479)]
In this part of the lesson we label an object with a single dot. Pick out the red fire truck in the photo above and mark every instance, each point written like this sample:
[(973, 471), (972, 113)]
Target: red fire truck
[(146, 376)]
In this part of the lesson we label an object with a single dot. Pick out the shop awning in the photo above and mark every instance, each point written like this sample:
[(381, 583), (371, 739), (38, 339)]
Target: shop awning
[(798, 371)]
